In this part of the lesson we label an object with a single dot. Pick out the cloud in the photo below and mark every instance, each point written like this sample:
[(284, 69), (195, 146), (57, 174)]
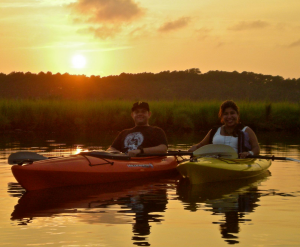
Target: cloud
[(17, 4), (103, 32), (247, 25), (32, 3), (141, 31), (105, 18), (174, 25), (101, 11), (203, 33), (282, 26), (295, 44)]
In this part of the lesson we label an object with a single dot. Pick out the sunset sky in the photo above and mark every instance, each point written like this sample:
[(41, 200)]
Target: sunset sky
[(110, 37)]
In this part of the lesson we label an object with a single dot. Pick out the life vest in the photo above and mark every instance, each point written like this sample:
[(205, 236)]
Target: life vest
[(243, 138)]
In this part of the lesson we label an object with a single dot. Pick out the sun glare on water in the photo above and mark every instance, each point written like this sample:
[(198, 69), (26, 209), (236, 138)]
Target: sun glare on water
[(78, 61)]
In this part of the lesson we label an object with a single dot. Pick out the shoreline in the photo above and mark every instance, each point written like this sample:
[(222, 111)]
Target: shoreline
[(172, 116)]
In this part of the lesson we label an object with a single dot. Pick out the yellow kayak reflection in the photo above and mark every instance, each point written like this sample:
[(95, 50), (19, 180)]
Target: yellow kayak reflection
[(231, 200)]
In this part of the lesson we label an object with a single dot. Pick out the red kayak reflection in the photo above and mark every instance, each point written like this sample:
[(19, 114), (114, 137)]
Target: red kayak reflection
[(138, 203)]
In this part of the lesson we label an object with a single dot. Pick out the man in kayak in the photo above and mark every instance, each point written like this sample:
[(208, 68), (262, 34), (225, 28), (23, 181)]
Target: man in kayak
[(143, 138)]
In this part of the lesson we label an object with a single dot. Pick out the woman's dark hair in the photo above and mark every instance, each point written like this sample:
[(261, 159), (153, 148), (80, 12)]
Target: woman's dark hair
[(226, 104)]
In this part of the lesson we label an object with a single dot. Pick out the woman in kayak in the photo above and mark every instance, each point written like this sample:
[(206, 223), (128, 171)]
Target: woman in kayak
[(232, 132)]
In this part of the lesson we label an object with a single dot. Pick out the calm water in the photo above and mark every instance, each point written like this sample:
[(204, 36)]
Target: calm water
[(168, 212)]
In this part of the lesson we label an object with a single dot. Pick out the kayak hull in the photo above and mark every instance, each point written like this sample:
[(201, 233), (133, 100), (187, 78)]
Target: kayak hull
[(83, 170), (210, 169)]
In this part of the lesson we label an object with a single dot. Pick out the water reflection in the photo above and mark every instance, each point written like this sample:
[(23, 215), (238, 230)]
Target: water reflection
[(232, 200), (138, 206), (143, 206), (139, 203)]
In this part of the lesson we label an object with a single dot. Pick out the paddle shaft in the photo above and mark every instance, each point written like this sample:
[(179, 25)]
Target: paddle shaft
[(271, 158), (179, 153), (207, 150)]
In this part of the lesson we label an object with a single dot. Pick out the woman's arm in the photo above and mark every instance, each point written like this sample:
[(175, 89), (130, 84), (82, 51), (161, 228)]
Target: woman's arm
[(205, 141), (253, 142)]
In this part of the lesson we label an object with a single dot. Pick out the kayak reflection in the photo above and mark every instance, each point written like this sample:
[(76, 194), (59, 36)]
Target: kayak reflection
[(232, 199), (139, 203)]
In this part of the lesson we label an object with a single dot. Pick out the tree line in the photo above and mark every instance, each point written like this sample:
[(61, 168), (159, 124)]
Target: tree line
[(188, 84)]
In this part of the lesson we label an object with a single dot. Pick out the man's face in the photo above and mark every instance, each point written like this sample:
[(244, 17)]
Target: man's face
[(141, 116)]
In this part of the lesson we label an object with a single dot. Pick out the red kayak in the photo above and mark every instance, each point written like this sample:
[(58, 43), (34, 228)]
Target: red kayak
[(90, 168)]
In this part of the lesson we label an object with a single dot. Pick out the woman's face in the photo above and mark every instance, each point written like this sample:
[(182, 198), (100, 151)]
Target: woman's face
[(230, 117)]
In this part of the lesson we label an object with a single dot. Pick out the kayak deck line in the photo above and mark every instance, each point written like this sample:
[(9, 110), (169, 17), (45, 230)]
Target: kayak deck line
[(106, 155)]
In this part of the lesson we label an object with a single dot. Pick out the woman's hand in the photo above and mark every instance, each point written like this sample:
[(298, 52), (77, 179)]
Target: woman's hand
[(193, 148), (244, 155)]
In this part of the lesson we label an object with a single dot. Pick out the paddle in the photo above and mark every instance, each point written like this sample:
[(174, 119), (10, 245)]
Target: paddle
[(29, 157), (216, 149), (207, 150), (271, 158), (212, 149), (227, 150), (219, 150), (24, 157)]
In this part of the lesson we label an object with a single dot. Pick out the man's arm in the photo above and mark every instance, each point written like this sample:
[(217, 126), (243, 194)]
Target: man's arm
[(162, 148), (115, 146), (112, 149)]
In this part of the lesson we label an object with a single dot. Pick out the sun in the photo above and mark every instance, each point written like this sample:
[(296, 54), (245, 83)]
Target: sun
[(78, 61)]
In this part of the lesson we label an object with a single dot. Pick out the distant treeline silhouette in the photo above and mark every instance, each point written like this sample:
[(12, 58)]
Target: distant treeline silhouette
[(189, 84)]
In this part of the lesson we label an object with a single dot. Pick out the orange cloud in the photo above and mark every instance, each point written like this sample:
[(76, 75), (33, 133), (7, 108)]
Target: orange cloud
[(295, 44), (246, 25), (105, 32), (203, 33), (105, 18), (174, 25)]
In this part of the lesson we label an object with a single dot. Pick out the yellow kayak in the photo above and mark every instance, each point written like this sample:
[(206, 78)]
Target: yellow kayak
[(210, 169)]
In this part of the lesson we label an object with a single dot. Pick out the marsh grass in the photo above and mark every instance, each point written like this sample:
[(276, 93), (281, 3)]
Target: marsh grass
[(64, 115)]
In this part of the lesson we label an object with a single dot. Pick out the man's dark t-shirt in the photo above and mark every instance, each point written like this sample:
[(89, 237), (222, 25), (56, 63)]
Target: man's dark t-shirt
[(144, 136)]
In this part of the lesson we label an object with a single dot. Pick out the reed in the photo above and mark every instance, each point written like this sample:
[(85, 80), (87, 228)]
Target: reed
[(67, 115)]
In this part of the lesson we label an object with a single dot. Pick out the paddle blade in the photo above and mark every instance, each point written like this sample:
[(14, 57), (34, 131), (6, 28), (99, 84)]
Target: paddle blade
[(19, 157), (221, 150), (293, 159)]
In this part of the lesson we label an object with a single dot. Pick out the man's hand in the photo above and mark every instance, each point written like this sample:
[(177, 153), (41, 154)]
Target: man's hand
[(133, 153)]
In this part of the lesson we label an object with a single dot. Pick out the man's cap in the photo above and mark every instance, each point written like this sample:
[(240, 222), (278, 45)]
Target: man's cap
[(140, 104)]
